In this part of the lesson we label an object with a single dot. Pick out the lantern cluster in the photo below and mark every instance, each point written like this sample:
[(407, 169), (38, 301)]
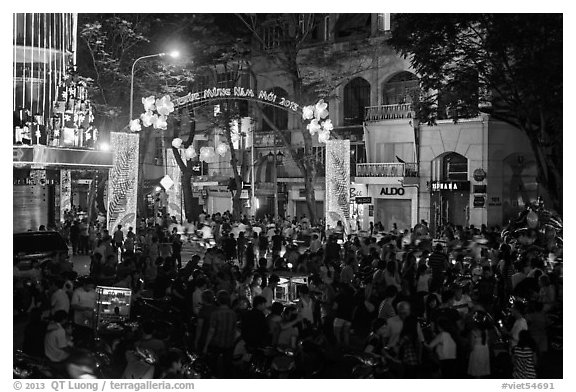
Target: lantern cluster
[(155, 114), (319, 122)]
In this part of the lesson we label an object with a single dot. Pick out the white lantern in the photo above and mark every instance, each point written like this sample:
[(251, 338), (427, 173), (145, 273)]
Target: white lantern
[(323, 136), (190, 152), (221, 149), (314, 127), (149, 103), (135, 125)]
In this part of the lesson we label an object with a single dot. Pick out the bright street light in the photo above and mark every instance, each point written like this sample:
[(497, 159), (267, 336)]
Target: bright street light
[(174, 54)]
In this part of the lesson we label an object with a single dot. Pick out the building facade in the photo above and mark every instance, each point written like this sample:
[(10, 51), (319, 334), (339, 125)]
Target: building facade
[(57, 163)]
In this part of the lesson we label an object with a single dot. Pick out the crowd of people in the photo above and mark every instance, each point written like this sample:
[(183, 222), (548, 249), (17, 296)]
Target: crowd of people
[(463, 304)]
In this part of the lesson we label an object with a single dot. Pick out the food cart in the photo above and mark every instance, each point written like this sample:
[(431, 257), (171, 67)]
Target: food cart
[(112, 308), (287, 289)]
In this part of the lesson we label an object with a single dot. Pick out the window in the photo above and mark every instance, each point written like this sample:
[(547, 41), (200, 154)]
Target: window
[(352, 25), (390, 152), (383, 22), (272, 35), (158, 152), (357, 153), (356, 99), (278, 116), (455, 167), (403, 87)]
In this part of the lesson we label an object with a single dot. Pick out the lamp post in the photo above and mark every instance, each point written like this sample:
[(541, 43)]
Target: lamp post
[(174, 54), (276, 157)]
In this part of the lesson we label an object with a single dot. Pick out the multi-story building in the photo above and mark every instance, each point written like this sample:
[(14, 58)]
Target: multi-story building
[(56, 160), (477, 171)]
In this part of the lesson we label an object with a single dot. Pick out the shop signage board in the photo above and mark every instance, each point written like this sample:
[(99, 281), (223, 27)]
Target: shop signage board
[(363, 200), (479, 201), (392, 191), (437, 186), (479, 188)]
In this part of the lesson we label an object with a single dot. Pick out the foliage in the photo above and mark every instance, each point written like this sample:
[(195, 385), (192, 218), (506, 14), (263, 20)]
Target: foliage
[(507, 65)]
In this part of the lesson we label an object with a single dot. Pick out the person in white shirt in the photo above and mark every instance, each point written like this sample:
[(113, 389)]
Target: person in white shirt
[(315, 244), (59, 299), (57, 343), (461, 302), (520, 324), (445, 348), (390, 332), (84, 303)]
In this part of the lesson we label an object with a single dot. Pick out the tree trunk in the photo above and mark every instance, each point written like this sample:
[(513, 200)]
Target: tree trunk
[(309, 175), (187, 195), (141, 207), (236, 202)]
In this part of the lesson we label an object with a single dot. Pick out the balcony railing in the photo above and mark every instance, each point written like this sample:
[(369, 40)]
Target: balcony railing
[(387, 170), (388, 112)]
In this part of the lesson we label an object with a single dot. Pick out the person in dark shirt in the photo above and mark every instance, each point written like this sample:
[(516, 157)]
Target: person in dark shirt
[(229, 246), (438, 262), (177, 249), (332, 250), (344, 307), (34, 333), (241, 247), (254, 326), (277, 242)]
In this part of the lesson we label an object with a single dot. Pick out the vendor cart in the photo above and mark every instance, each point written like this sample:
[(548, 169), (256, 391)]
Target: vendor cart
[(112, 309), (287, 289)]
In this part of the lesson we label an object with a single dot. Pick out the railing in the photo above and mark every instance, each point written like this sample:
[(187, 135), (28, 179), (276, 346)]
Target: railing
[(387, 170), (388, 112)]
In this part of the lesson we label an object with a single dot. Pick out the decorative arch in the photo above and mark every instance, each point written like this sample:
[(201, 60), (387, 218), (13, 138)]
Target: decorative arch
[(278, 115), (356, 99), (402, 87)]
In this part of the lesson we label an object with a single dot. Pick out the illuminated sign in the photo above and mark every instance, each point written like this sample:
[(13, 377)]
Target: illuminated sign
[(437, 186), (239, 93)]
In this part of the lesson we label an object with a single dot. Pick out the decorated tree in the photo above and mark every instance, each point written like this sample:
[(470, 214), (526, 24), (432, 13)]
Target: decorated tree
[(507, 65), (109, 44)]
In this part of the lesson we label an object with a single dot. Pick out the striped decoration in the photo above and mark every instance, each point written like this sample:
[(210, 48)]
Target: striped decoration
[(175, 191), (337, 201), (123, 183)]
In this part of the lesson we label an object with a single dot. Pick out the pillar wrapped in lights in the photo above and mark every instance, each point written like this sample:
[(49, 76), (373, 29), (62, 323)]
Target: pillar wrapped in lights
[(65, 192), (123, 183), (337, 200), (175, 191)]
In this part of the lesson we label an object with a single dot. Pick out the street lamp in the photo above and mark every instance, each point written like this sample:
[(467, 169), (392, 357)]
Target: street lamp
[(173, 54)]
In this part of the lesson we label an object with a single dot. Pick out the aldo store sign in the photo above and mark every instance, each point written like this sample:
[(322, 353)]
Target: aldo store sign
[(392, 192)]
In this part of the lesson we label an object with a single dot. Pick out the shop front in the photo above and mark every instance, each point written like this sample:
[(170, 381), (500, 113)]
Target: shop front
[(297, 206), (450, 203), (219, 199), (394, 204)]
